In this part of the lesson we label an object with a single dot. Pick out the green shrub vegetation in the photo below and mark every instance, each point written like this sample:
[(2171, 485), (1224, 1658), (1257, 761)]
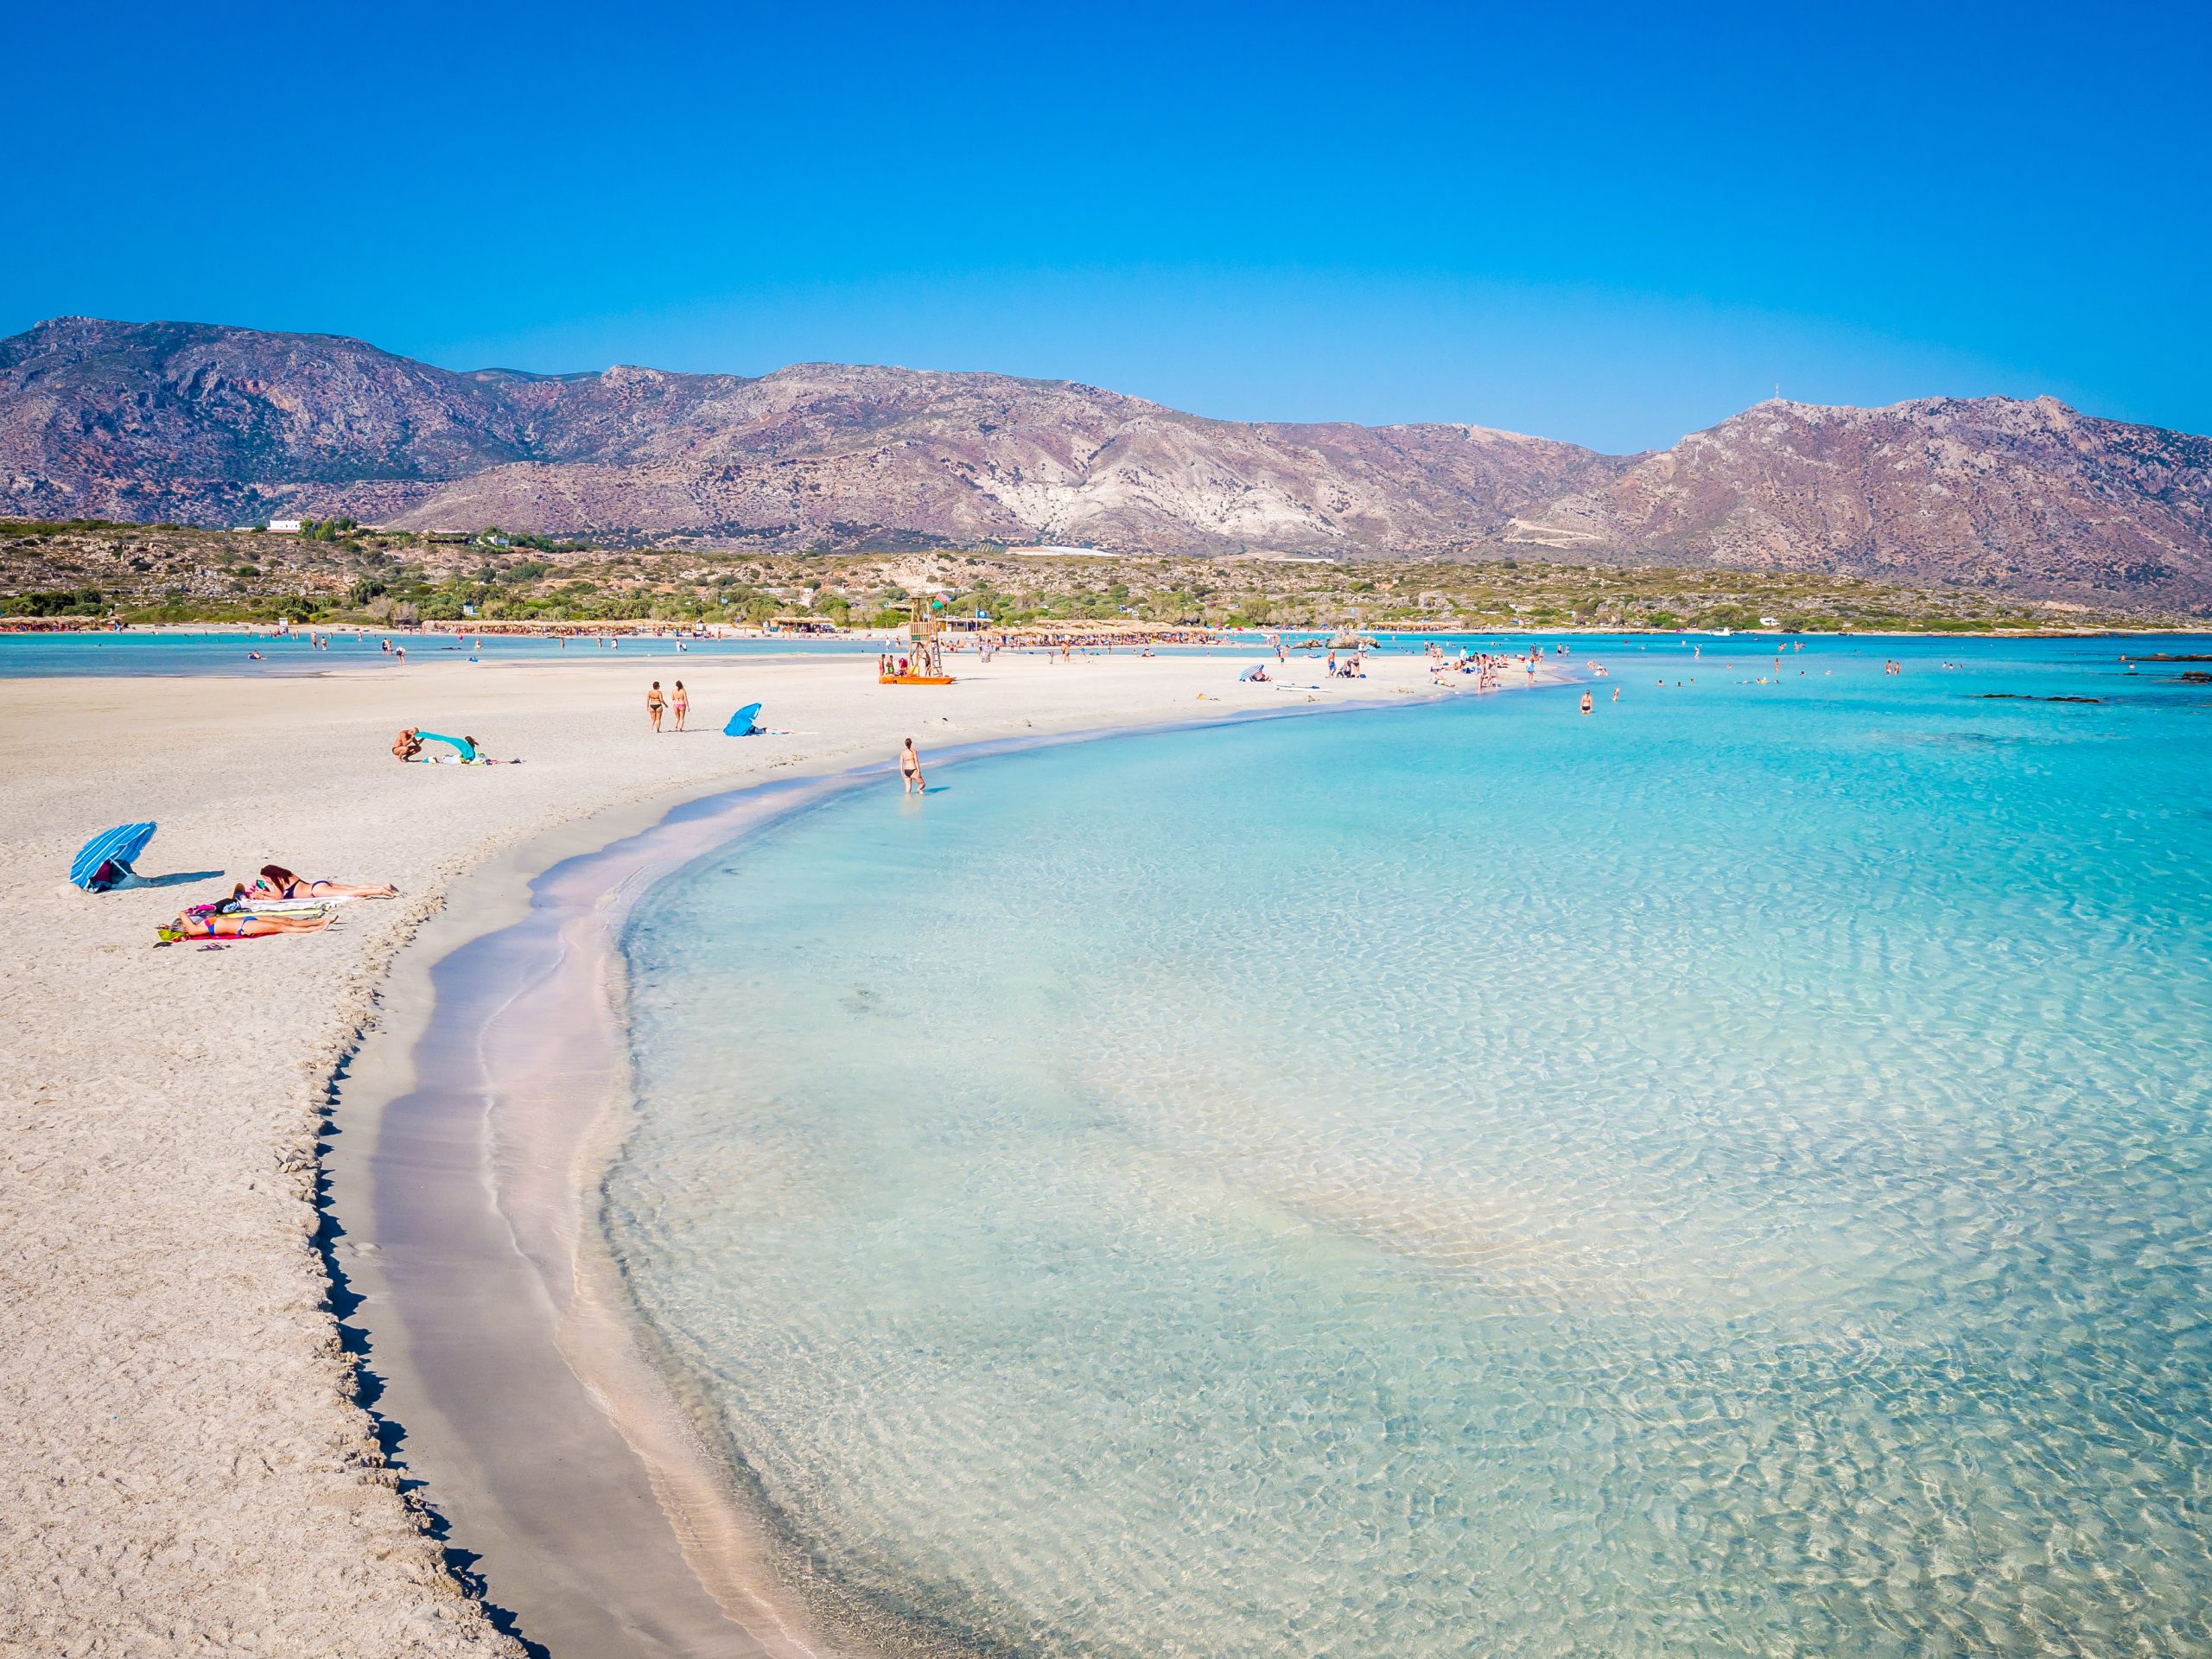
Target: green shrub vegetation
[(337, 571)]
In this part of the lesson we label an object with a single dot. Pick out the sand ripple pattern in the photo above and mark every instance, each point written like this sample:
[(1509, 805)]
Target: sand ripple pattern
[(1730, 1176)]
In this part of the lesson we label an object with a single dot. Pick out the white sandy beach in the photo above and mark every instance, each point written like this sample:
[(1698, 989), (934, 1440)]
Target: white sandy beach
[(185, 1468)]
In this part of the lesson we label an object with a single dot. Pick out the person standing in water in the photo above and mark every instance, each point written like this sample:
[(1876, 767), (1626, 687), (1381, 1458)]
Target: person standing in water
[(680, 704), (910, 768), (654, 704), (1587, 705)]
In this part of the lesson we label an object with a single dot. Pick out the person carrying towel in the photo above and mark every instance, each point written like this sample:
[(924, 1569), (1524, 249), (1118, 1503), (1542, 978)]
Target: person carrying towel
[(409, 747)]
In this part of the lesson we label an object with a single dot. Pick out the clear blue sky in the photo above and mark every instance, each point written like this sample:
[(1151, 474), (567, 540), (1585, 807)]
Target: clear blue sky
[(1612, 224)]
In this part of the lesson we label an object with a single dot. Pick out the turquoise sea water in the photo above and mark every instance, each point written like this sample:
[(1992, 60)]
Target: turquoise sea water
[(1731, 1173), (44, 656), (60, 655)]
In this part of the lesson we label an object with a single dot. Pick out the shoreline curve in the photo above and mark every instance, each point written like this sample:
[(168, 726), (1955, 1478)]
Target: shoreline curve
[(584, 1503)]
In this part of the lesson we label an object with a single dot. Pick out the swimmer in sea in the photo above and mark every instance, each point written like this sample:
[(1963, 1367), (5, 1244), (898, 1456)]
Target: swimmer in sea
[(1587, 705)]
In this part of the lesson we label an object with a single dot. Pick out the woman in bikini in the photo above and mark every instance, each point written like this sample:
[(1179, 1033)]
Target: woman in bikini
[(680, 704), (654, 704), (910, 768), (278, 882), (239, 924)]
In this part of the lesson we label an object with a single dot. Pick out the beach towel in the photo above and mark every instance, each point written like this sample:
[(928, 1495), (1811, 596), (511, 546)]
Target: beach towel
[(467, 749), (307, 907)]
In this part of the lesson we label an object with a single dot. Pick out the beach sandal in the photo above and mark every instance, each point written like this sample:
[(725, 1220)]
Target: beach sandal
[(214, 944)]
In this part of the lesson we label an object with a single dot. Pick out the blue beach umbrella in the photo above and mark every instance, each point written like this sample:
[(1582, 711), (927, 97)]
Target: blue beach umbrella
[(105, 859), (741, 724)]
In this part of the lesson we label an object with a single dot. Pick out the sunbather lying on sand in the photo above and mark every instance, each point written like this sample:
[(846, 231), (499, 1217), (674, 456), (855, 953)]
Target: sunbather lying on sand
[(278, 882), (239, 925)]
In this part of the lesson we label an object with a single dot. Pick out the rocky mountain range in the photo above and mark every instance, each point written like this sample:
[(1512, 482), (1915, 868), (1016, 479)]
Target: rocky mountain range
[(198, 423)]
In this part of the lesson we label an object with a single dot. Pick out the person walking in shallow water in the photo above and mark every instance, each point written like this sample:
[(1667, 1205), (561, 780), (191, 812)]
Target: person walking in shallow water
[(654, 704), (910, 768)]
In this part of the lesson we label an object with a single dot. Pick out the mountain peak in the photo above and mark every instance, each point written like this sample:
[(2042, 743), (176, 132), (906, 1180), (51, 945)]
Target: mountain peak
[(200, 423)]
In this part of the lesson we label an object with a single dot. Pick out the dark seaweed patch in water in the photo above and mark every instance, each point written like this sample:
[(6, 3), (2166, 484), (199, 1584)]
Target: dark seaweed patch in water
[(2025, 697), (1962, 740)]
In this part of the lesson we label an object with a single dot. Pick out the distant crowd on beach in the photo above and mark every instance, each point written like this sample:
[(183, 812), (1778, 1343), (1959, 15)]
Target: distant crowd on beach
[(1488, 668)]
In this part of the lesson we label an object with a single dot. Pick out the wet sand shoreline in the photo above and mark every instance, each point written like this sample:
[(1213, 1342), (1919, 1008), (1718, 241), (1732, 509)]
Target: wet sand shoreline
[(470, 1134)]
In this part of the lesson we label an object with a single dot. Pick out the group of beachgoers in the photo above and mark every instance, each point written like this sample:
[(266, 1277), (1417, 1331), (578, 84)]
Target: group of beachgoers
[(677, 703), (1064, 645), (927, 663), (1485, 667), (275, 901)]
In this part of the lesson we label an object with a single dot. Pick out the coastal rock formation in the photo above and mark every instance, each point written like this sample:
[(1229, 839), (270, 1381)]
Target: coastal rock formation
[(207, 424)]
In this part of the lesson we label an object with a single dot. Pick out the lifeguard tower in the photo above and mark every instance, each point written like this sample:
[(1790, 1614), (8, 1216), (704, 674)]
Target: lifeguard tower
[(926, 662)]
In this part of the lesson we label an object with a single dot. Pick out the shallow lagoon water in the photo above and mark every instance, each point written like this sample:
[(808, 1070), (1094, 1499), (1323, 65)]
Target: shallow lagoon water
[(1728, 1175)]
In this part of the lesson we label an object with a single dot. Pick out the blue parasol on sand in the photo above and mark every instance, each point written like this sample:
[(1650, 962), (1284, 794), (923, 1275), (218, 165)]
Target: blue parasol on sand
[(105, 859), (741, 724)]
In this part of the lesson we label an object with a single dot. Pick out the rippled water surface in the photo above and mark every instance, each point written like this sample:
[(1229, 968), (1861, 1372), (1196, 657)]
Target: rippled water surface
[(1727, 1174)]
